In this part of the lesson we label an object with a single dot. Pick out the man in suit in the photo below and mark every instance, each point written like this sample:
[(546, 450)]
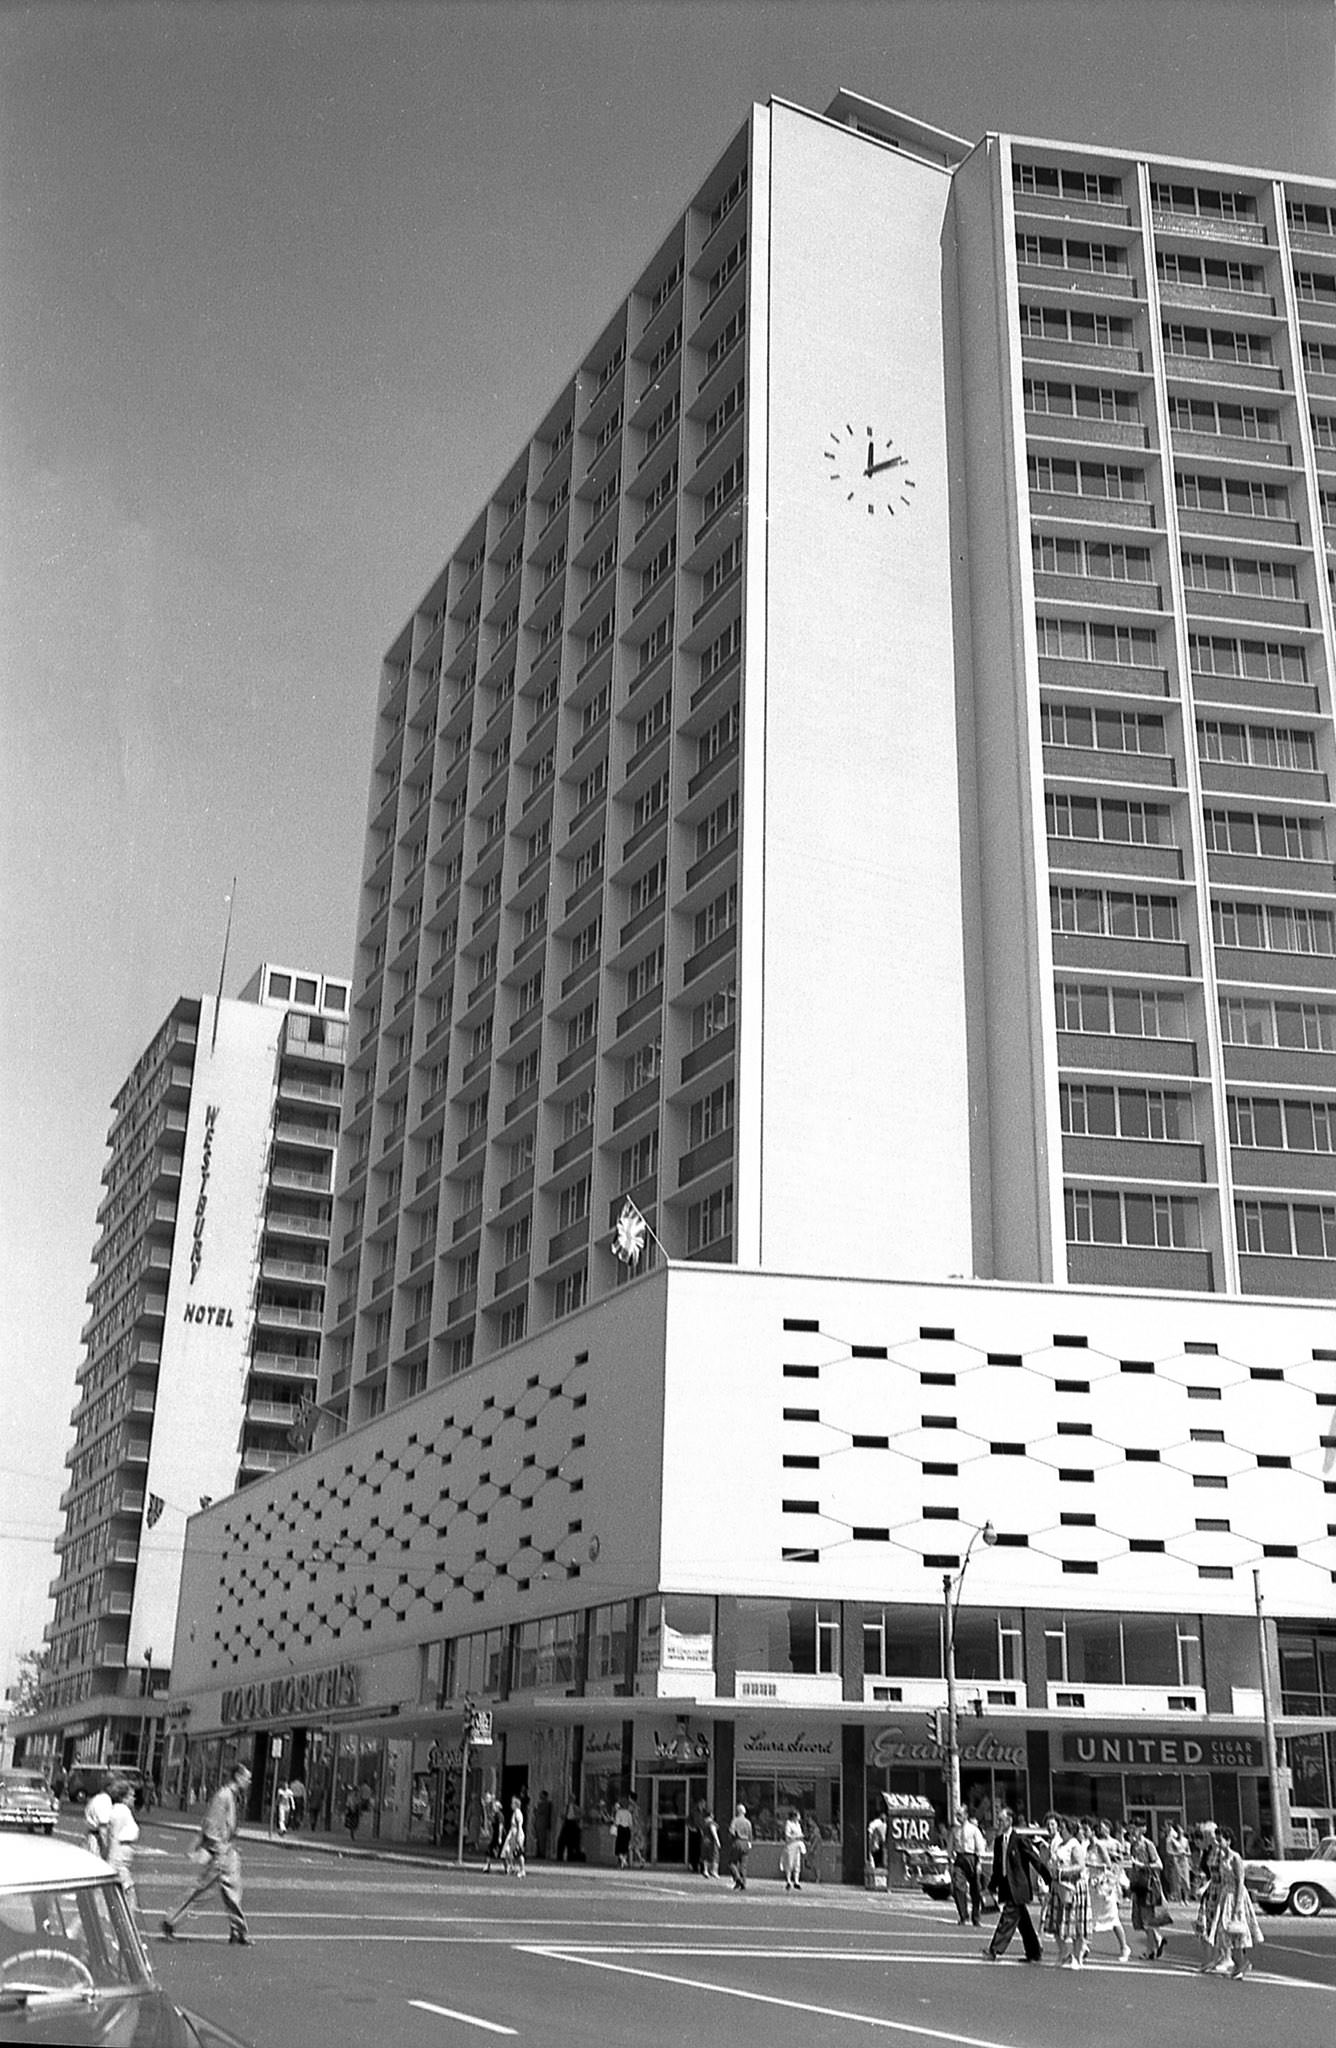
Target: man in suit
[(1015, 1865)]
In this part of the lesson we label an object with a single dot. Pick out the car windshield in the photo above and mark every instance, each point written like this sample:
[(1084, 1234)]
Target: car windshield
[(67, 1939), (22, 1781)]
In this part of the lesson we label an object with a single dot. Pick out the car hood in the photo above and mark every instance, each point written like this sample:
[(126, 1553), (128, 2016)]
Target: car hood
[(135, 2019)]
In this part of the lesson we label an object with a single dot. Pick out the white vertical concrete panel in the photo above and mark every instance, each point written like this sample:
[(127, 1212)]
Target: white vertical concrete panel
[(865, 1100), (202, 1376)]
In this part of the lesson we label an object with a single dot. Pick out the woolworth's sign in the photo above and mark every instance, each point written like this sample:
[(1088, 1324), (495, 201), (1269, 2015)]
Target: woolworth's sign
[(295, 1696)]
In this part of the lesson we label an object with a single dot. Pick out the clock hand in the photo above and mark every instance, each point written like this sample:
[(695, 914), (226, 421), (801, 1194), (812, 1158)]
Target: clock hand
[(896, 462), (871, 458)]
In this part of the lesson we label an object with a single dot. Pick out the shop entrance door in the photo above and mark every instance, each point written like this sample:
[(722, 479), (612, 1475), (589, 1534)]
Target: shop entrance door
[(673, 1799), (1156, 1818)]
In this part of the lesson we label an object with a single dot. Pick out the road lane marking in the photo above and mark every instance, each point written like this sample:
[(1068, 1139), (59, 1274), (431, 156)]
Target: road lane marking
[(470, 2019), (825, 2012)]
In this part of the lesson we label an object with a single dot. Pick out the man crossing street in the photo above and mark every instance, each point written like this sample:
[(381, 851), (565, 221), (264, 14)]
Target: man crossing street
[(217, 1854)]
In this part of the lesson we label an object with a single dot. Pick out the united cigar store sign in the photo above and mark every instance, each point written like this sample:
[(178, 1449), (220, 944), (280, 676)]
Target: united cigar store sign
[(282, 1699), (1120, 1751)]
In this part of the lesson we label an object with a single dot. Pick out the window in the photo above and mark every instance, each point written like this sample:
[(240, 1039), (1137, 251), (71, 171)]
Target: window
[(1089, 185), (524, 1075), (721, 650), (529, 994), (1089, 640), (639, 1162), (649, 888), (475, 1113), (1240, 578), (653, 722), (1298, 1026), (719, 916), (1211, 416), (663, 490), (1315, 286), (711, 1116), (1109, 1649), (610, 1644), (466, 1272), (480, 1038), (642, 1067), (1114, 913), (1205, 201), (732, 330), (710, 1221), (1299, 1230), (588, 864), (578, 1113), (573, 1203), (1088, 330), (1268, 836), (721, 821), (1115, 732), (714, 1015), (535, 916), (649, 805), (647, 974), (586, 942), (722, 489), (1216, 344), (1290, 1126), (1053, 253), (1263, 746), (1110, 561), (1086, 479), (1208, 273), (789, 1637), (582, 1027), (519, 1160), (1268, 661), (1109, 1216), (1197, 492), (517, 1239), (571, 1292), (1116, 819), (1274, 928), (1090, 1110), (1079, 401), (724, 566), (662, 423)]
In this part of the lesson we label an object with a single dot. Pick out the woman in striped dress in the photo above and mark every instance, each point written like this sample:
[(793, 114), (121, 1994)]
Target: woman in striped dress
[(1067, 1915)]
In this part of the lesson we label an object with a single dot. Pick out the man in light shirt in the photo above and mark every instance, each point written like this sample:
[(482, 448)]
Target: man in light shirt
[(967, 1850), (97, 1820), (217, 1855)]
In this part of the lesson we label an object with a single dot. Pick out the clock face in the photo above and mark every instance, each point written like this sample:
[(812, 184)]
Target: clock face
[(869, 470)]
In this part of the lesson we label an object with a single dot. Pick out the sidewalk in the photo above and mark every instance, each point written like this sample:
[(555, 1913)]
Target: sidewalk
[(428, 1855)]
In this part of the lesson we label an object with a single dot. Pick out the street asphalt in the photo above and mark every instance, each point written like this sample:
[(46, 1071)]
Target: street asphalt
[(369, 1950)]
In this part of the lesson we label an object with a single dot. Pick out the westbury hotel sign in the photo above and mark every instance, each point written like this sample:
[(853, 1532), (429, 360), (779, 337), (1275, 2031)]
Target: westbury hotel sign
[(297, 1695), (198, 1312)]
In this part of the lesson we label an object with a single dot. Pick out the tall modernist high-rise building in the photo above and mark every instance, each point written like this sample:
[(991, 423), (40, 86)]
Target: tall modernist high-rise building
[(203, 1330), (859, 789), (860, 786)]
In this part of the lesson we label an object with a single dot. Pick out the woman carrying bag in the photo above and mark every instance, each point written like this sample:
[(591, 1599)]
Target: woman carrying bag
[(1145, 1879), (1233, 1929)]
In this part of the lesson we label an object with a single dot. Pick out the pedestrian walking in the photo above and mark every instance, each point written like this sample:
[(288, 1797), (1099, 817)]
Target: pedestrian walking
[(216, 1853), (1145, 1881), (876, 1841), (122, 1834), (284, 1804), (709, 1844), (812, 1870), (298, 1790), (966, 1848), (1174, 1857), (512, 1847), (792, 1853), (570, 1847), (621, 1833), (97, 1820), (352, 1811), (1016, 1864), (542, 1824), (1067, 1915), (494, 1822), (740, 1838), (1104, 1869), (1229, 1923)]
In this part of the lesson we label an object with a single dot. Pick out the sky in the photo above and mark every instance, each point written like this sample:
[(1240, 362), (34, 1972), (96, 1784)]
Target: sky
[(283, 290)]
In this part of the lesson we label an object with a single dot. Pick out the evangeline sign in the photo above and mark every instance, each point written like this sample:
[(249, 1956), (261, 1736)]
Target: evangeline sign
[(894, 1746), (310, 1692), (1164, 1752)]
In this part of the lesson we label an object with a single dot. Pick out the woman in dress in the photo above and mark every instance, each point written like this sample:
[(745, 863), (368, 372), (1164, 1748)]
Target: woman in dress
[(1067, 1914), (1234, 1930), (1104, 1868), (512, 1848), (1210, 1897), (1145, 1878), (791, 1855)]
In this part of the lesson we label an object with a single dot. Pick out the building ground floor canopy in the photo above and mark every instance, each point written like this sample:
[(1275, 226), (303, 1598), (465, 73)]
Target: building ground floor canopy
[(574, 1761)]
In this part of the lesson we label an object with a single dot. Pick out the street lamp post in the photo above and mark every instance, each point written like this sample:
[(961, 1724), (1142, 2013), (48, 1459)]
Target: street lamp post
[(952, 1606)]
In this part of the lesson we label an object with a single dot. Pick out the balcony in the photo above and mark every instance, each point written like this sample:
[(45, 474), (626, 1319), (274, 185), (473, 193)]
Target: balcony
[(713, 1153), (1132, 1159), (1071, 428), (1314, 1279), (256, 1459), (1081, 1051), (1078, 355), (1112, 1265), (1060, 671), (574, 1238), (1307, 1172), (1091, 511), (719, 948), (511, 1276), (1115, 858), (1120, 956), (1210, 298)]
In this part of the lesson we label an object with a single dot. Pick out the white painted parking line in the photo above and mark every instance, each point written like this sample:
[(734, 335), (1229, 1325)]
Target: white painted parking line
[(469, 2019), (825, 2012)]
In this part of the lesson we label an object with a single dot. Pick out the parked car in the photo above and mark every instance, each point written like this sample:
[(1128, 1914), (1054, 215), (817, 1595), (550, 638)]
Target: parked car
[(27, 1801), (1303, 1883), (72, 1966), (85, 1779)]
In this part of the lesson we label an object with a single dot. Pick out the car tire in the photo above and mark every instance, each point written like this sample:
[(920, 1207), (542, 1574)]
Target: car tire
[(1305, 1900)]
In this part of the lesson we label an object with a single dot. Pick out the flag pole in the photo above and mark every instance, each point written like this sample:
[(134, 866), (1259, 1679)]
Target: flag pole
[(222, 966)]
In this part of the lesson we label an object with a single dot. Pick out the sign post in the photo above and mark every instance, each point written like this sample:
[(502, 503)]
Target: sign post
[(477, 1735), (275, 1753)]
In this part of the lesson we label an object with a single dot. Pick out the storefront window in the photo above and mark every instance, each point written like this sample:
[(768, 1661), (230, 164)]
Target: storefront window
[(431, 1673), (609, 1642), (988, 1645), (798, 1637), (770, 1796)]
